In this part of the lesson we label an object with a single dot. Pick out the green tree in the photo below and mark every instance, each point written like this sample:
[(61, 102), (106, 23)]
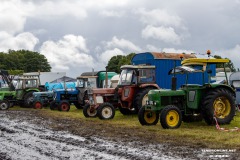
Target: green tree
[(116, 62), (228, 65), (25, 60)]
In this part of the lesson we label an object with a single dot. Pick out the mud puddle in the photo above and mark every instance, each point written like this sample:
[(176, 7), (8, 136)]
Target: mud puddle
[(28, 135)]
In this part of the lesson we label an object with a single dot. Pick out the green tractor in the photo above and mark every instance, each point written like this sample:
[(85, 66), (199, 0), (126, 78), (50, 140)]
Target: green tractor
[(7, 93), (211, 101), (25, 87)]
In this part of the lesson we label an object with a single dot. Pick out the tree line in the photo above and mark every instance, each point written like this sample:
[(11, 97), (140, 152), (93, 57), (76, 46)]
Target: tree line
[(24, 60), (29, 61)]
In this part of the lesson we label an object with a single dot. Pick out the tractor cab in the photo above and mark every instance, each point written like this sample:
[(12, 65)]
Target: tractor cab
[(137, 75), (25, 86), (25, 83)]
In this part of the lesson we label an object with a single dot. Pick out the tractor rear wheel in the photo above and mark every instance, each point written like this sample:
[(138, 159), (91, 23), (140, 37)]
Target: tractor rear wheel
[(171, 117), (88, 111), (126, 111), (218, 102), (4, 105), (141, 98), (28, 99), (147, 117), (192, 118), (78, 105), (106, 111), (64, 106), (37, 105)]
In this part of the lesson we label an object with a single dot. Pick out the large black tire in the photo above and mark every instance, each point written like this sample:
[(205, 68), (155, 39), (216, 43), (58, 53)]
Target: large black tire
[(106, 111), (141, 98), (78, 105), (4, 105), (28, 99), (126, 111), (171, 117), (53, 105), (192, 118), (11, 104), (88, 112), (218, 102), (147, 117), (64, 106)]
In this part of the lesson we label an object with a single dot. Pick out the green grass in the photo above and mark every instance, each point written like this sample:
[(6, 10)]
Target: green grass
[(195, 133)]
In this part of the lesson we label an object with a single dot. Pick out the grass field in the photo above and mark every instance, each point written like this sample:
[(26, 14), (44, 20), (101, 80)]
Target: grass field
[(195, 133)]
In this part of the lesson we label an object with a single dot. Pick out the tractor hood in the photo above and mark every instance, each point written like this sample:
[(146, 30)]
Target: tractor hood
[(103, 90), (166, 92)]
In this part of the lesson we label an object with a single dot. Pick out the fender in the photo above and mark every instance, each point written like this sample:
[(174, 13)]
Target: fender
[(33, 89), (149, 85)]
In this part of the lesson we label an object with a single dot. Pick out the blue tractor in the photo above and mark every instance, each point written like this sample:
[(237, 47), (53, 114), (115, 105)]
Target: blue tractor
[(43, 99), (63, 98)]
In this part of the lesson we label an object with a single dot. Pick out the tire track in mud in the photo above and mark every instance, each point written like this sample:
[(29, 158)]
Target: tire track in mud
[(20, 139)]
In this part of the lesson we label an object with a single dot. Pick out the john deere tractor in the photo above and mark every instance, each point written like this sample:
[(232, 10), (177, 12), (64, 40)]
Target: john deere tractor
[(212, 101)]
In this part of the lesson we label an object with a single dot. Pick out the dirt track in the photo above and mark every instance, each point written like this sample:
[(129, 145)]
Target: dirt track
[(33, 135)]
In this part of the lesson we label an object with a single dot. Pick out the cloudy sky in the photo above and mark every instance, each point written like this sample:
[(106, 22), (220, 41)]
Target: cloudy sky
[(78, 35)]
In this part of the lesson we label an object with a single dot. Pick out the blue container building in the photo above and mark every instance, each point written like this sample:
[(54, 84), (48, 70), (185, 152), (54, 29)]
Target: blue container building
[(165, 62)]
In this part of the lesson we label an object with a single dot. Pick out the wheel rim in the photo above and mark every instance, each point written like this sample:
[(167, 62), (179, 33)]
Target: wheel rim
[(107, 112), (222, 107), (4, 106), (172, 118), (91, 112), (29, 100), (38, 105), (64, 107), (145, 98), (150, 116)]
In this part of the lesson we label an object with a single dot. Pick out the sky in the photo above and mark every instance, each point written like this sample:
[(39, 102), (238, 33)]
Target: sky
[(78, 36)]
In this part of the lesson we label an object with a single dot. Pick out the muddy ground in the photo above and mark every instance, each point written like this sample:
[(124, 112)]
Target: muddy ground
[(34, 135)]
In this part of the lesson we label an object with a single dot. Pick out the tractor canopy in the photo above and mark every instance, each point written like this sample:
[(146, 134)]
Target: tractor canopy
[(202, 62)]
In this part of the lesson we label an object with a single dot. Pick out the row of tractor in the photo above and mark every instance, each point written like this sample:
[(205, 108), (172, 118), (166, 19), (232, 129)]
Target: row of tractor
[(26, 91), (165, 87)]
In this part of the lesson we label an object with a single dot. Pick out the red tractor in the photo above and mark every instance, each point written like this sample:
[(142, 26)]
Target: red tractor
[(129, 95)]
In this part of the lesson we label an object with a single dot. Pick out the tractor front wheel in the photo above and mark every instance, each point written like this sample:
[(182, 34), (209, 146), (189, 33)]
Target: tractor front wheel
[(37, 105), (218, 103), (64, 106), (147, 117), (106, 111), (171, 117), (88, 111), (4, 105)]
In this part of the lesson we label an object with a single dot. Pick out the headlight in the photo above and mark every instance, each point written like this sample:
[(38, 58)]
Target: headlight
[(54, 96), (151, 103), (91, 100)]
